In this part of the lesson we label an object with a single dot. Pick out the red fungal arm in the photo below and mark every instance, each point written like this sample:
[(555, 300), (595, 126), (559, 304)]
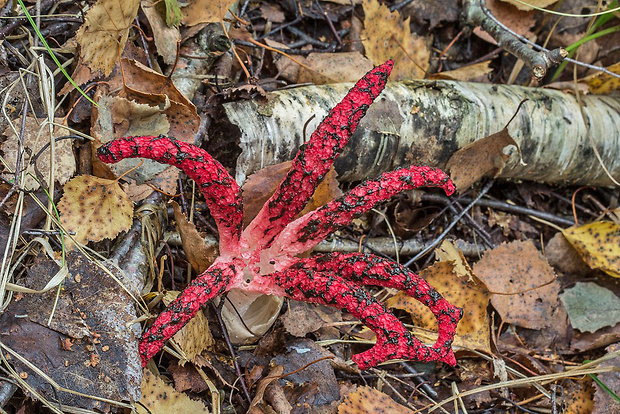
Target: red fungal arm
[(368, 269), (316, 157), (305, 232), (393, 339), (211, 283), (221, 192)]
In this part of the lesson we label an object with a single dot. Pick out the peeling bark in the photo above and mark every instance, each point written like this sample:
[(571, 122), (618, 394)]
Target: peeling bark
[(425, 122)]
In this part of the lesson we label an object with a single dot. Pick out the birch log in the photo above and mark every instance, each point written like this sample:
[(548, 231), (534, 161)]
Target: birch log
[(425, 122)]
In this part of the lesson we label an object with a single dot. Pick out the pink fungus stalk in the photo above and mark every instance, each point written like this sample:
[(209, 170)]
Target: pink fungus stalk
[(262, 258)]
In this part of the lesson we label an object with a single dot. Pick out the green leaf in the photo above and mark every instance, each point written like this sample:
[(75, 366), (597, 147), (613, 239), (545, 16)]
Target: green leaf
[(591, 307)]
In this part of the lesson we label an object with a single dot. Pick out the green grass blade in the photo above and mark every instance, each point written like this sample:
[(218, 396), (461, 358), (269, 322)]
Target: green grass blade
[(49, 50)]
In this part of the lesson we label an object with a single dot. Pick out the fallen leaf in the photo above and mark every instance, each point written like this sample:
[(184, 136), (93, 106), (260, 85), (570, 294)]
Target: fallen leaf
[(598, 244), (519, 21), (527, 4), (195, 337), (36, 139), (580, 400), (481, 158), (104, 33), (187, 378), (524, 285), (302, 318), (160, 398), (604, 401), (205, 11), (166, 36), (603, 83), (387, 36), (477, 72), (368, 400), (172, 12), (199, 254), (466, 292), (591, 307), (94, 209), (334, 67), (144, 85), (312, 384), (259, 186), (448, 252)]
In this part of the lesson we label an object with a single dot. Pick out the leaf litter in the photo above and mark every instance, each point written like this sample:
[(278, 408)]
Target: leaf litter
[(148, 103)]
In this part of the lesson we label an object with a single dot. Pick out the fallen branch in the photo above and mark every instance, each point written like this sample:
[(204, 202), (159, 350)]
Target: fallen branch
[(425, 122)]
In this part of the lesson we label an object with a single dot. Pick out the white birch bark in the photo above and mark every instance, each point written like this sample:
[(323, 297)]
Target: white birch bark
[(425, 122)]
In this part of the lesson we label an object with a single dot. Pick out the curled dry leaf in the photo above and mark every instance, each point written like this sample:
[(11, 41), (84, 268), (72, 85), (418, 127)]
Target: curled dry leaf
[(484, 157), (161, 398), (387, 36), (598, 244), (94, 208), (104, 33), (199, 254), (367, 400), (165, 35)]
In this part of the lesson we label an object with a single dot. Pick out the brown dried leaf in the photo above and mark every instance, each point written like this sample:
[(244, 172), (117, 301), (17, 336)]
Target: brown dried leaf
[(160, 398), (259, 186), (205, 11), (604, 401), (367, 400), (94, 208), (334, 67), (144, 85), (484, 157), (165, 37), (199, 254), (194, 337), (474, 329), (387, 36), (478, 72), (519, 21), (598, 244), (187, 378), (526, 285), (36, 136), (104, 33), (526, 4)]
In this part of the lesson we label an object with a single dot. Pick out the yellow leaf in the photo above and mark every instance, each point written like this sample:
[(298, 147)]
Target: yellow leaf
[(194, 337), (598, 244), (387, 36), (474, 329), (161, 398), (104, 33), (365, 400), (94, 208), (603, 83)]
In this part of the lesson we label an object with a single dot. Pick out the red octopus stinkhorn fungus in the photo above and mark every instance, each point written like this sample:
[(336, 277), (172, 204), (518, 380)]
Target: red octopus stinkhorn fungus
[(262, 258)]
